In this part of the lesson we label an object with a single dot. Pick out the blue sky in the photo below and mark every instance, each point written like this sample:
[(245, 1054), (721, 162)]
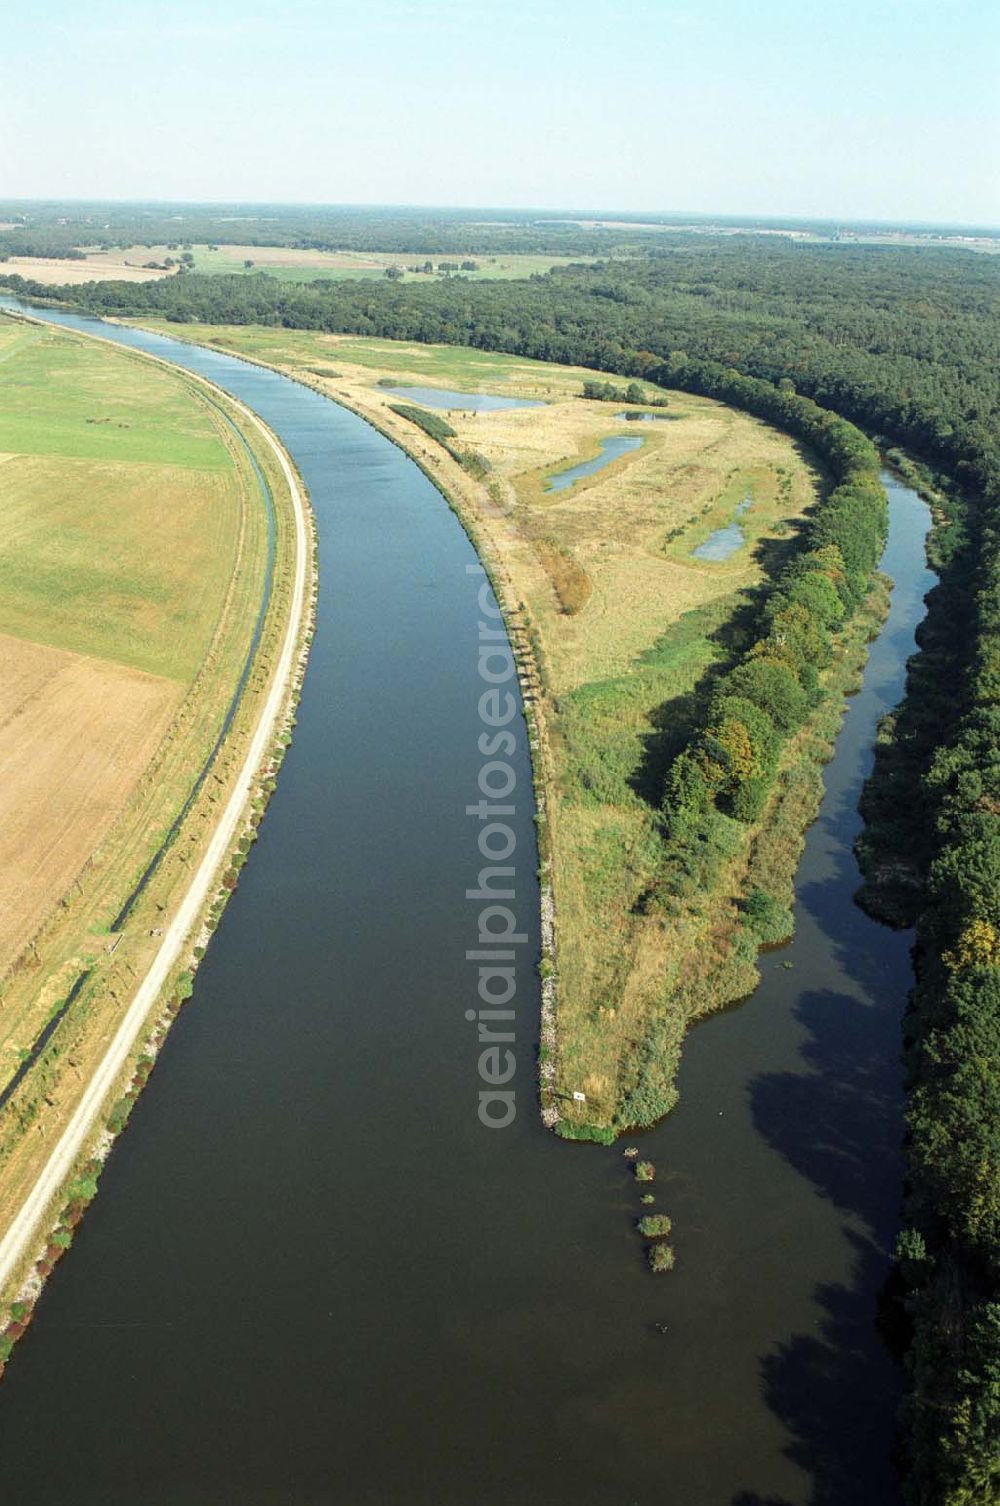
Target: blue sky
[(854, 108)]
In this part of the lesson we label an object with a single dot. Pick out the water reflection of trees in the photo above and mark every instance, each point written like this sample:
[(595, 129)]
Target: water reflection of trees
[(838, 1122)]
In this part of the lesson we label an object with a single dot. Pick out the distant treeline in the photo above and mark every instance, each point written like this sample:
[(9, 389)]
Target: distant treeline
[(906, 343), (55, 229)]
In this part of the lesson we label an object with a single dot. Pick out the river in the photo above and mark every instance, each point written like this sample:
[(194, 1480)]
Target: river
[(313, 1278)]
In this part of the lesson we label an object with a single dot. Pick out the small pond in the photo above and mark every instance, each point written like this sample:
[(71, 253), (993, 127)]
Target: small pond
[(724, 542), (646, 418), (472, 402), (611, 449)]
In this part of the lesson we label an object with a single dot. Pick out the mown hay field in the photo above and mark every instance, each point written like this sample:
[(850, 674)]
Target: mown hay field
[(74, 734), (291, 264)]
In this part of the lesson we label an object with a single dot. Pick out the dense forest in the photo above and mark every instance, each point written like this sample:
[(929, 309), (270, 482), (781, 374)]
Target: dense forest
[(906, 344), (931, 856)]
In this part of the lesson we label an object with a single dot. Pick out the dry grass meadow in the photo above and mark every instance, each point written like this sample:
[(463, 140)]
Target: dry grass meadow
[(616, 669)]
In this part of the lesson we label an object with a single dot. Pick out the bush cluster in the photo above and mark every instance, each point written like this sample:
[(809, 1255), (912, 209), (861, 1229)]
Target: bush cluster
[(722, 779)]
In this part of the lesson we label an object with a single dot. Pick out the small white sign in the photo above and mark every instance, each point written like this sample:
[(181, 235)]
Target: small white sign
[(580, 1097)]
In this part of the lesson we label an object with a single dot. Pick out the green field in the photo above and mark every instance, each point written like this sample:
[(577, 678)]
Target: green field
[(316, 353), (133, 551), (120, 506), (286, 264), (367, 266), (65, 398)]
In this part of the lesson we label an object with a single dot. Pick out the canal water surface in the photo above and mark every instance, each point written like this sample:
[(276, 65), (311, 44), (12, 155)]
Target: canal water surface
[(313, 1277)]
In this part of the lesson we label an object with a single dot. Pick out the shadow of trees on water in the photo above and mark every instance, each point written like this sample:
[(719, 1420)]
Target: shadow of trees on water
[(839, 1124)]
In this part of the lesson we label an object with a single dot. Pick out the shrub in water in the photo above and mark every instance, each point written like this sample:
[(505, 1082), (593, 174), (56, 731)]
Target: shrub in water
[(661, 1257), (654, 1224)]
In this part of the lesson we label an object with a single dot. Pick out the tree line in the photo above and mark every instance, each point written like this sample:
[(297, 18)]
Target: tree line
[(60, 228), (932, 858), (726, 771)]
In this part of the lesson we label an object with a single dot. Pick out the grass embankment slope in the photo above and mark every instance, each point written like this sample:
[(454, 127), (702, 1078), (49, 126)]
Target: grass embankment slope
[(133, 560), (623, 623)]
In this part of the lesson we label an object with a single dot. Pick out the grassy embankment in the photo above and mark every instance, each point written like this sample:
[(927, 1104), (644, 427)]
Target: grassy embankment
[(133, 563), (600, 585)]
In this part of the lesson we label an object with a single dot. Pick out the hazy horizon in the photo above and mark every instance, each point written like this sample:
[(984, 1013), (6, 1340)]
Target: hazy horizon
[(603, 213), (867, 110)]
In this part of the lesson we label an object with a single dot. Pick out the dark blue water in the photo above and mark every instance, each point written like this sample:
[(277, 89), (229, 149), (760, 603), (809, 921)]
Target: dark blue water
[(313, 1278)]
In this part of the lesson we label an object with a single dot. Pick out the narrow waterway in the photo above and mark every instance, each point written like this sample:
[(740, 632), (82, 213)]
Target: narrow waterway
[(610, 450), (313, 1278)]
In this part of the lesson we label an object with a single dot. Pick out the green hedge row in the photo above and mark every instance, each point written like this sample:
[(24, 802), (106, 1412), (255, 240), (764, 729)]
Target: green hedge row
[(726, 771)]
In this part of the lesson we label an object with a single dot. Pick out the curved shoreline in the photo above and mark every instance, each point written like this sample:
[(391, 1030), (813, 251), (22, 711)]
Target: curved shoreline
[(466, 498), (182, 930), (483, 520), (124, 910), (525, 647)]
